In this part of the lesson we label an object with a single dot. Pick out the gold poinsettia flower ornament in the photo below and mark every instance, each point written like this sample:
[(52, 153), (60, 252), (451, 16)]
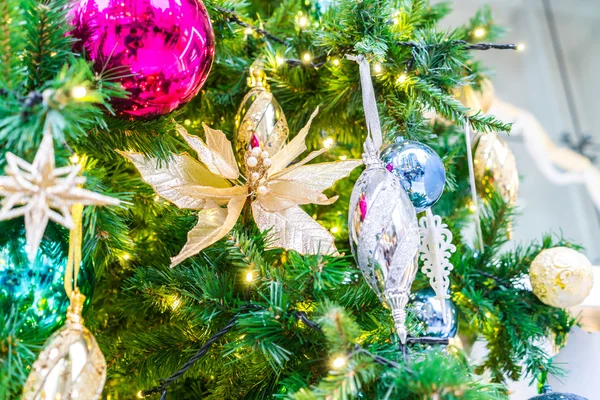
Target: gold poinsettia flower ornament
[(275, 189)]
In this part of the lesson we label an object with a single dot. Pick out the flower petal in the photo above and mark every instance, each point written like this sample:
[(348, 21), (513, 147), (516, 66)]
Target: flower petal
[(293, 149), (318, 176), (294, 229), (167, 178), (285, 194), (213, 225), (220, 196), (216, 154)]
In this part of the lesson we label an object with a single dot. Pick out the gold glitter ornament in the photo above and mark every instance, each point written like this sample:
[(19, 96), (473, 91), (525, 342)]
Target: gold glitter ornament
[(561, 277), (260, 121), (71, 365), (495, 168)]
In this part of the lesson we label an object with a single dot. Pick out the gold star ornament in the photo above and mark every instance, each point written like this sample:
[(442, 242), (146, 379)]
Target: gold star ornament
[(274, 188), (40, 192)]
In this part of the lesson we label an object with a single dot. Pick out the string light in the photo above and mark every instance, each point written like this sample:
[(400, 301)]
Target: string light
[(328, 142), (126, 256), (302, 22), (336, 62), (280, 60), (401, 79), (334, 229), (343, 158), (175, 303), (521, 47), (377, 68), (249, 276), (74, 159), (140, 394), (307, 57), (248, 31), (339, 362), (78, 92), (473, 207), (479, 32), (187, 122)]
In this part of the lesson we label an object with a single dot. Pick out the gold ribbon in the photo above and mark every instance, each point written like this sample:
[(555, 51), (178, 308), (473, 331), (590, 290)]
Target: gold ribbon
[(74, 259)]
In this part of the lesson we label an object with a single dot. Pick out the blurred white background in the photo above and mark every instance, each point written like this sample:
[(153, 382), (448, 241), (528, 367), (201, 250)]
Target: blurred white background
[(530, 80)]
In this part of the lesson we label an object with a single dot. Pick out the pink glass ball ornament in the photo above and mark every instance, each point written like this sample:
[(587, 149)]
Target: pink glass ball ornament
[(160, 50)]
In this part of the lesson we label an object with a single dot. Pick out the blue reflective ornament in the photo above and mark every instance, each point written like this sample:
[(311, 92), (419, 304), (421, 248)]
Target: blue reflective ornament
[(548, 394), (428, 311), (420, 170), (35, 290)]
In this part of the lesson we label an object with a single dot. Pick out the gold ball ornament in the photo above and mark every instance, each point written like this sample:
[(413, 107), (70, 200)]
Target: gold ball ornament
[(495, 168), (71, 365), (561, 277)]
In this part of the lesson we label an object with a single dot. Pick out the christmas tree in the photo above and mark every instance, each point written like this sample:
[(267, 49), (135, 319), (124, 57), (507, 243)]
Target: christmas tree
[(218, 268)]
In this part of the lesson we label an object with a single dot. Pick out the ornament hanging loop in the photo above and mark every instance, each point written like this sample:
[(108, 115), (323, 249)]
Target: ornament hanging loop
[(473, 186), (374, 139), (74, 259)]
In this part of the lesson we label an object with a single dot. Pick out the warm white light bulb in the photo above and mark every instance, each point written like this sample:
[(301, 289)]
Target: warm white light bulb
[(377, 68), (402, 78), (249, 277), (74, 159), (248, 31), (328, 142), (78, 92), (336, 62), (334, 229), (280, 60), (339, 362), (521, 47), (307, 57), (302, 22), (479, 32)]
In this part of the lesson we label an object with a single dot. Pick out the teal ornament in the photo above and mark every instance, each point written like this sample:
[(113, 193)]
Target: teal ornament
[(420, 170), (428, 312), (35, 290), (548, 394)]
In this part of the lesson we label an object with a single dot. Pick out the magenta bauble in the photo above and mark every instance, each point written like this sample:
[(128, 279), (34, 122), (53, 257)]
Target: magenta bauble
[(162, 50)]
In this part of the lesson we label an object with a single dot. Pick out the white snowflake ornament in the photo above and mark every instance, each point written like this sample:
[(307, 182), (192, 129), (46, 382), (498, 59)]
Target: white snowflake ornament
[(436, 249)]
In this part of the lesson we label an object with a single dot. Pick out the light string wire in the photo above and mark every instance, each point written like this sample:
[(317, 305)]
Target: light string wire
[(319, 61), (299, 315)]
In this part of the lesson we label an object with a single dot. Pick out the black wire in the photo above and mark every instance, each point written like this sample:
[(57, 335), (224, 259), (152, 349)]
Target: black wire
[(465, 45), (428, 340), (162, 388), (319, 61), (301, 316), (233, 17)]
